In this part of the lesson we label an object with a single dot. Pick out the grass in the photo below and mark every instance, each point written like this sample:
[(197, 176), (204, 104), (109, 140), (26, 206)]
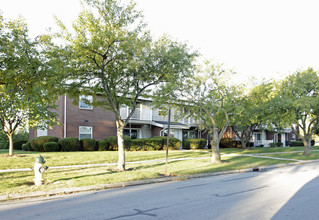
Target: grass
[(22, 182), (26, 159)]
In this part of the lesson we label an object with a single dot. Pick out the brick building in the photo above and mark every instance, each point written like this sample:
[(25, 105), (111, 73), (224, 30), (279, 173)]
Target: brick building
[(86, 121)]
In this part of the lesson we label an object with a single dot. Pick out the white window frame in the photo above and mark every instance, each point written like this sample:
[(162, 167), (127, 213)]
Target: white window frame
[(139, 135), (87, 97), (87, 133)]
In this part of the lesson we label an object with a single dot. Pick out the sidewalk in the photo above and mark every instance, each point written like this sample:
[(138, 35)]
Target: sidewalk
[(65, 191)]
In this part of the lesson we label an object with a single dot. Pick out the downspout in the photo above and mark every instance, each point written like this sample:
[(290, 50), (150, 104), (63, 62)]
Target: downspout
[(65, 116)]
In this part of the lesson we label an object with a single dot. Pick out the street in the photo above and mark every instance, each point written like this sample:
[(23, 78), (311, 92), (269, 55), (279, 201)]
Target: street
[(284, 193)]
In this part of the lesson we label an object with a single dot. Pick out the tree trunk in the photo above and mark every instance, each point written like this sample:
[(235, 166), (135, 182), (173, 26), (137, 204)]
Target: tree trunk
[(120, 143), (215, 147), (307, 144), (10, 137), (243, 143)]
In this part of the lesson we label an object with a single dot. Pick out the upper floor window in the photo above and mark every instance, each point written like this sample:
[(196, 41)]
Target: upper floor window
[(85, 101)]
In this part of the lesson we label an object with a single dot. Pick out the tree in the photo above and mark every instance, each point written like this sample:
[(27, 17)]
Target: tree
[(112, 55), (26, 92), (250, 111), (207, 97), (297, 103)]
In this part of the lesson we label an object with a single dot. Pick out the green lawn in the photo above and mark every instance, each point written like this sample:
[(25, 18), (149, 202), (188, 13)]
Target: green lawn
[(22, 182)]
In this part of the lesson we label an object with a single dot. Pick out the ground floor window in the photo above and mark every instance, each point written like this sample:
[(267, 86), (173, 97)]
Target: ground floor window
[(133, 133), (164, 132), (85, 132), (257, 136), (189, 134)]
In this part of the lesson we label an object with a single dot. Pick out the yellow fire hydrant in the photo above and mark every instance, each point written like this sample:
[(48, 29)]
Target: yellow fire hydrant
[(39, 170)]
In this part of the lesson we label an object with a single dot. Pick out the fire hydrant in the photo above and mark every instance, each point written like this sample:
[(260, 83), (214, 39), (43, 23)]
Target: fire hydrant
[(39, 170)]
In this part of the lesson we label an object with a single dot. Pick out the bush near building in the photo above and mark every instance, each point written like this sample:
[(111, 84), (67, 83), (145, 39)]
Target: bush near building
[(37, 144), (194, 143), (51, 146), (88, 144), (69, 144)]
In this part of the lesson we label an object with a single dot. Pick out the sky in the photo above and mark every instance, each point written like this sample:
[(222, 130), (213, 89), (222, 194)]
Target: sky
[(255, 38)]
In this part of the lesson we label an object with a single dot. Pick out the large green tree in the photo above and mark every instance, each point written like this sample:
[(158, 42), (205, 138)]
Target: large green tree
[(297, 103), (208, 98), (26, 92), (112, 56), (250, 111)]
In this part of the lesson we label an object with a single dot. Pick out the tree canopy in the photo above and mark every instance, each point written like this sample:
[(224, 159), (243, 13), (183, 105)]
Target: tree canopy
[(297, 103), (111, 55), (26, 80)]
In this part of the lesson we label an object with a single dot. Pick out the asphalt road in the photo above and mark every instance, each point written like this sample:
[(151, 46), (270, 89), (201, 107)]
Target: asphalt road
[(283, 193)]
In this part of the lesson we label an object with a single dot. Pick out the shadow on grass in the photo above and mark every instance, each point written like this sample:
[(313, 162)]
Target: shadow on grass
[(82, 176)]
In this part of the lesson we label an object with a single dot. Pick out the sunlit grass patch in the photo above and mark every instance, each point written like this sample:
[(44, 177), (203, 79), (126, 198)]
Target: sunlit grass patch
[(22, 182), (297, 156)]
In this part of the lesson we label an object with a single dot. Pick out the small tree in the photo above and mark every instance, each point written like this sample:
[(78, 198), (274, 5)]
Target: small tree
[(26, 92), (113, 56)]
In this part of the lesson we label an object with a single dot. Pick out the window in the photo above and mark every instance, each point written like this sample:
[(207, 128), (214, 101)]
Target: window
[(85, 101), (132, 133), (165, 132), (85, 132), (257, 136)]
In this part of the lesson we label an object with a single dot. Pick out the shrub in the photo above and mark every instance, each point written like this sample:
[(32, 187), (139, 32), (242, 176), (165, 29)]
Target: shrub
[(174, 143), (112, 141), (227, 143), (88, 144), (37, 143), (279, 144), (194, 143), (69, 144), (51, 146), (313, 142), (4, 141), (137, 144), (102, 145), (272, 144), (154, 143), (26, 146), (296, 143), (17, 145)]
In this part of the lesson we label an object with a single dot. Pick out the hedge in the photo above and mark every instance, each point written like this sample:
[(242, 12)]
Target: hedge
[(102, 145), (295, 143), (69, 144), (154, 143), (51, 147), (37, 144), (88, 144), (174, 143), (26, 146), (194, 143), (227, 143), (112, 142), (17, 144), (137, 144)]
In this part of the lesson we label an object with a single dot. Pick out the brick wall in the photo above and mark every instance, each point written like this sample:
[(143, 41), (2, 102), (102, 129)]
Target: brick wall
[(102, 121)]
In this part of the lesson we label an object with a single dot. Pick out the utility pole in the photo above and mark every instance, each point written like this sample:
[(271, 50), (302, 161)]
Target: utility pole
[(168, 134)]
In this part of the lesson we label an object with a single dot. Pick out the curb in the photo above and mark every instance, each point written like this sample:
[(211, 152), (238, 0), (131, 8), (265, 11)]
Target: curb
[(66, 191)]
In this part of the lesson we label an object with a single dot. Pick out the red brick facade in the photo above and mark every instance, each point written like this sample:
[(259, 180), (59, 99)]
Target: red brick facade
[(101, 121)]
